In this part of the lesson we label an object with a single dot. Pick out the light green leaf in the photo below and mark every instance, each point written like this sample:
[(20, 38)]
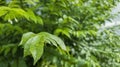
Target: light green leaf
[(2, 12), (39, 20), (34, 44), (64, 31), (26, 37), (32, 15), (37, 47), (59, 42), (27, 45), (55, 38), (13, 13)]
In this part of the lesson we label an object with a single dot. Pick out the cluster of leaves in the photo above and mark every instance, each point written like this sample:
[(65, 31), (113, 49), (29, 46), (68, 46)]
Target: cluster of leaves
[(71, 27), (34, 43)]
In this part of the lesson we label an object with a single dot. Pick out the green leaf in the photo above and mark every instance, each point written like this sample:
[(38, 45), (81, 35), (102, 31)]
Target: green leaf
[(39, 20), (34, 43), (34, 18), (34, 46), (64, 31), (55, 38), (32, 15), (37, 48), (28, 44), (26, 37), (83, 63), (13, 13), (59, 42), (2, 12)]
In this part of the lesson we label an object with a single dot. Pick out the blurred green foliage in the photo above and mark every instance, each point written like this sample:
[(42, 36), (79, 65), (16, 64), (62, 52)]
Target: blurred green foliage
[(57, 33)]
